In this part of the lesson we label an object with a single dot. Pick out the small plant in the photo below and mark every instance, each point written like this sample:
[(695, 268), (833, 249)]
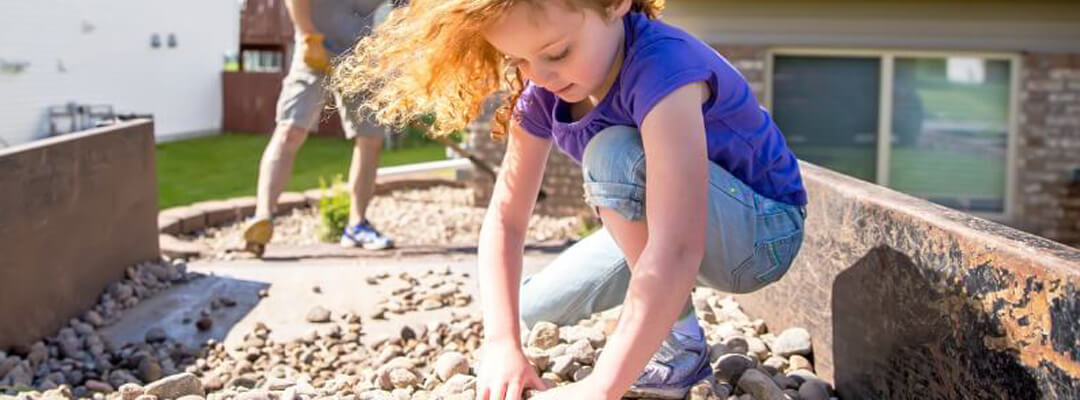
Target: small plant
[(588, 224), (333, 208)]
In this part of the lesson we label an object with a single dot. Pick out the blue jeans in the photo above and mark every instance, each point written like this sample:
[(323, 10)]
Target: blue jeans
[(751, 240)]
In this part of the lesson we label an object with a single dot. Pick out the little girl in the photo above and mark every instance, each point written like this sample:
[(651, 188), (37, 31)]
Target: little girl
[(689, 174)]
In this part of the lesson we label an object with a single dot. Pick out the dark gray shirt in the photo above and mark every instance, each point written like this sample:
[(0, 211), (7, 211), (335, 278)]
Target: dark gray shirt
[(343, 22)]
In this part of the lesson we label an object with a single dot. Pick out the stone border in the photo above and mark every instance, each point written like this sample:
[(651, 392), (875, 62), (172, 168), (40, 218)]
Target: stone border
[(76, 210), (183, 220), (898, 292)]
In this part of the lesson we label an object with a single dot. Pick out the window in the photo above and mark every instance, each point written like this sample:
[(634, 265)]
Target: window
[(262, 60), (827, 109), (933, 125)]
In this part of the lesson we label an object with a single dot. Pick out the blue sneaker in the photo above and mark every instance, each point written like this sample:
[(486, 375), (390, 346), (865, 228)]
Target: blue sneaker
[(679, 365), (364, 235)]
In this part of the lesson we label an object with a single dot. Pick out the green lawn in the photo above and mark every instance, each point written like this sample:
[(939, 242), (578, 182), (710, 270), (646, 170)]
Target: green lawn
[(916, 171), (225, 166), (960, 180)]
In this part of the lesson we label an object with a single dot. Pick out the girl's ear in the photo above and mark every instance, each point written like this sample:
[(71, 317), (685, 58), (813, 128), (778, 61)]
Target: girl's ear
[(617, 10)]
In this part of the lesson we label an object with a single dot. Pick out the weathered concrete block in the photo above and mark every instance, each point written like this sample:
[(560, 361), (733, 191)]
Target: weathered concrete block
[(290, 200), (191, 219), (393, 183), (907, 299), (218, 212), (168, 224), (313, 196), (244, 206), (77, 210), (176, 248)]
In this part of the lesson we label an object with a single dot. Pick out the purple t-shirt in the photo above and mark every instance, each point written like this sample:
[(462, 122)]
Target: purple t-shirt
[(740, 134)]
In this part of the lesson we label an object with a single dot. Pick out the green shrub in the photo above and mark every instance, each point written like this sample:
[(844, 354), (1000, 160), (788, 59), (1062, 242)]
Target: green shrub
[(333, 209), (588, 223)]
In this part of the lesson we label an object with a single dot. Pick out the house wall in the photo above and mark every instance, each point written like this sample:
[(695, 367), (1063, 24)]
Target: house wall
[(1046, 187), (98, 52), (1046, 36), (1048, 147), (1044, 26), (561, 186)]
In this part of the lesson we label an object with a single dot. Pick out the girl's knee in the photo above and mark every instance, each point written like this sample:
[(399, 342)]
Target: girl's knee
[(613, 167), (612, 152), (534, 310)]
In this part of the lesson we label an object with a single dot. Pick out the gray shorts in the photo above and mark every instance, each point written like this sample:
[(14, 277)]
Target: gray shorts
[(303, 94)]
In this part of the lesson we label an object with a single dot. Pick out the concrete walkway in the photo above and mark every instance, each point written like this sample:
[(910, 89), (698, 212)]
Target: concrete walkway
[(290, 281)]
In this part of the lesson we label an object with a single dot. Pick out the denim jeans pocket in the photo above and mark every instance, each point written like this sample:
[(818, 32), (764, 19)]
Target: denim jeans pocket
[(771, 260), (731, 186)]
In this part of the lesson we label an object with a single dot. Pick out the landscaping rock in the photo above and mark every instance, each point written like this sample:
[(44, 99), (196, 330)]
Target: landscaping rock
[(791, 342), (451, 363), (730, 367), (204, 324), (543, 335), (429, 360), (155, 335), (98, 386), (813, 389), (176, 386), (760, 386), (318, 314)]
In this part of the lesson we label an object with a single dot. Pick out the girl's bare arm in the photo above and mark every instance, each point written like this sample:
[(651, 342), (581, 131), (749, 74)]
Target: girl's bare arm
[(677, 174), (502, 236)]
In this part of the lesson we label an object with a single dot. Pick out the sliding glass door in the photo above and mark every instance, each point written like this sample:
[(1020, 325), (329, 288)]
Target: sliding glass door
[(936, 126)]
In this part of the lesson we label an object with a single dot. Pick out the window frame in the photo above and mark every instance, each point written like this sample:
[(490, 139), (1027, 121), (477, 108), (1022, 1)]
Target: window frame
[(887, 59)]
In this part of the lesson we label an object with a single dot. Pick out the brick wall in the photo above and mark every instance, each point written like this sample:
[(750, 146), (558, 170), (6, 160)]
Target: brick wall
[(562, 178), (750, 61), (1048, 153)]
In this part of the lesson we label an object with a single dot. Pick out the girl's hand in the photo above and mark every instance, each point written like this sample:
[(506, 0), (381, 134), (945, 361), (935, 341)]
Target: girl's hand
[(505, 373)]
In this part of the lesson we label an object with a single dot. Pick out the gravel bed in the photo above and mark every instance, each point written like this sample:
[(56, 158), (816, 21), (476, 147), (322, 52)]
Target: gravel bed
[(432, 360), (436, 359), (439, 216)]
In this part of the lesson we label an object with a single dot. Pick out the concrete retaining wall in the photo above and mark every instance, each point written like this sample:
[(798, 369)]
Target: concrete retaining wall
[(75, 211), (906, 299)]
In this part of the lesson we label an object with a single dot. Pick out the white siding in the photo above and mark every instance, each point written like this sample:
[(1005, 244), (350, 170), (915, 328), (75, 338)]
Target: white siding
[(1047, 26), (98, 52)]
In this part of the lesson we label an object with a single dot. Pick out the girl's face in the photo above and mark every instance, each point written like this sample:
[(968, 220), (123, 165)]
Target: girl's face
[(571, 53)]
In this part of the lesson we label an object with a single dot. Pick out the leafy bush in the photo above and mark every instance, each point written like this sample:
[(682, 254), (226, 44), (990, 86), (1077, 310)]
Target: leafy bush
[(588, 223), (333, 209)]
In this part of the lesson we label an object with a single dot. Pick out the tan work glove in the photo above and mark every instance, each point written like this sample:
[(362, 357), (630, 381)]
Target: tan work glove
[(315, 55)]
